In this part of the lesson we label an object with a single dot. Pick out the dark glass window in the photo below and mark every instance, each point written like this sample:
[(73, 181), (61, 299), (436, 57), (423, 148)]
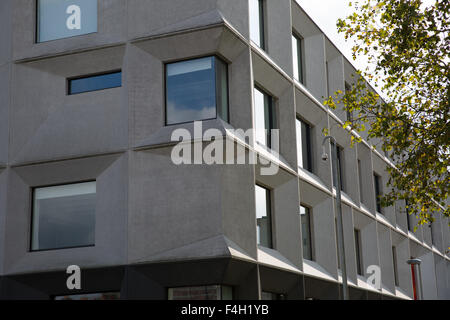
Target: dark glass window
[(64, 216), (213, 292), (257, 32), (305, 215), (340, 166), (408, 217), (57, 19), (196, 90), (91, 296), (95, 83), (304, 145), (359, 265), (348, 88), (264, 117), (378, 192), (361, 194), (394, 261), (271, 296), (263, 217), (297, 58)]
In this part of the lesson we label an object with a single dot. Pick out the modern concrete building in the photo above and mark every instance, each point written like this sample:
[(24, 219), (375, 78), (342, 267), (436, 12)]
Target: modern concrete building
[(91, 92)]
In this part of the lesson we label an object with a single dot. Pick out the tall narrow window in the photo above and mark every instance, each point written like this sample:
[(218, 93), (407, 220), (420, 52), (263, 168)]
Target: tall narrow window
[(257, 28), (340, 166), (378, 192), (297, 58), (304, 145), (348, 88), (263, 217), (305, 215), (394, 261), (359, 265), (337, 243), (264, 117), (196, 90), (361, 194), (408, 217), (63, 216)]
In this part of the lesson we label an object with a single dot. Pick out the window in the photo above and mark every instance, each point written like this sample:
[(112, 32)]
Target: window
[(361, 197), (263, 217), (64, 18), (359, 265), (271, 296), (304, 145), (91, 296), (63, 216), (337, 243), (257, 29), (214, 292), (378, 192), (305, 215), (264, 117), (297, 47), (394, 261), (196, 90), (348, 88), (340, 166), (95, 82), (408, 217)]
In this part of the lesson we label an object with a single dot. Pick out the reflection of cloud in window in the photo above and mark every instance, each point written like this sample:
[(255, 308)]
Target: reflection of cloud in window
[(175, 114)]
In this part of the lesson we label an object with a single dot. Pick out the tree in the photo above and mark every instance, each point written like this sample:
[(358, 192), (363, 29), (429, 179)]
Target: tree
[(408, 45)]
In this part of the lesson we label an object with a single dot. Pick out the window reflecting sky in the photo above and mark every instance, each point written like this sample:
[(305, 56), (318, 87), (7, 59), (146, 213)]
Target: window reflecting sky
[(191, 92), (100, 82)]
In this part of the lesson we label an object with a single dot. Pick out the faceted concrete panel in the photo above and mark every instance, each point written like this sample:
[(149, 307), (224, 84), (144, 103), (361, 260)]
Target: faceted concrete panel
[(193, 212), (147, 17), (111, 29), (5, 79), (3, 192), (110, 172), (5, 30), (236, 13), (48, 124), (386, 261)]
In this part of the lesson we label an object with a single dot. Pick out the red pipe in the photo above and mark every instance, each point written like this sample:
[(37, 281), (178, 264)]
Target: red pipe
[(414, 281)]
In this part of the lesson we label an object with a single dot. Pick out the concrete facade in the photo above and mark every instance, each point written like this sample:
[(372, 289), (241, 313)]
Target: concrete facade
[(159, 225)]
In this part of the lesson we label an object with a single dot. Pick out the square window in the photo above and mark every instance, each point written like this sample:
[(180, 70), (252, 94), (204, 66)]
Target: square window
[(196, 90), (63, 216), (65, 18)]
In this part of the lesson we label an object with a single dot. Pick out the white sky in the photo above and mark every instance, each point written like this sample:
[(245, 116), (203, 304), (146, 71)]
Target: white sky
[(325, 14)]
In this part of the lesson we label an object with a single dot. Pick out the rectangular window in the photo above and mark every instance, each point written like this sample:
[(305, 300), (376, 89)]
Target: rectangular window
[(196, 90), (297, 58), (304, 145), (65, 18), (257, 28), (214, 292), (340, 166), (305, 215), (394, 261), (264, 117), (348, 88), (263, 217), (271, 296), (91, 296), (63, 216), (361, 197), (95, 82), (337, 243), (408, 217), (378, 192), (359, 265)]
